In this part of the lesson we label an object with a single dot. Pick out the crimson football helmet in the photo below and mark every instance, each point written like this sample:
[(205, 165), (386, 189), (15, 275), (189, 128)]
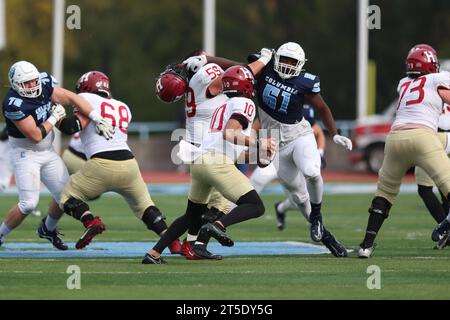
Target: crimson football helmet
[(172, 84), (238, 81), (423, 46), (94, 82), (421, 61)]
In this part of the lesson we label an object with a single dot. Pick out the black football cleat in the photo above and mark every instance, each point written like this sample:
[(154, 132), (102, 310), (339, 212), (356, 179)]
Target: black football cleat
[(441, 231), (337, 249), (212, 215), (201, 251), (52, 236), (217, 233), (317, 229), (149, 259), (280, 216)]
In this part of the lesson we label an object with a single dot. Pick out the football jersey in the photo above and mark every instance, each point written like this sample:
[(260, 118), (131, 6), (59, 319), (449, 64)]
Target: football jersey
[(16, 108), (198, 106), (76, 143), (281, 102), (214, 141), (419, 100), (117, 114)]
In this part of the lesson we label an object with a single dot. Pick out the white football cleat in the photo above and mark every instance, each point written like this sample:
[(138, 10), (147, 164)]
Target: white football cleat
[(365, 253)]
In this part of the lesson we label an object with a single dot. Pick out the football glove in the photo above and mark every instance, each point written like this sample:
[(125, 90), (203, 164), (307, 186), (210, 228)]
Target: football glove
[(104, 129), (266, 150), (265, 55), (343, 141), (57, 113), (195, 63)]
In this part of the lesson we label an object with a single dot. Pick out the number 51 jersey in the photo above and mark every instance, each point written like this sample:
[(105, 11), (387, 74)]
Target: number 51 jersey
[(419, 100), (117, 114)]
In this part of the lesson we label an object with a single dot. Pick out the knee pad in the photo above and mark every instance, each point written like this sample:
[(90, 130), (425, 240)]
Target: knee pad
[(380, 206), (299, 198), (75, 208), (253, 198), (154, 219), (27, 206)]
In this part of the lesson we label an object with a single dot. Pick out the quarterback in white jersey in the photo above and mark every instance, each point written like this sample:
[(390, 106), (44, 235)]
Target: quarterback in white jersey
[(413, 141), (111, 165)]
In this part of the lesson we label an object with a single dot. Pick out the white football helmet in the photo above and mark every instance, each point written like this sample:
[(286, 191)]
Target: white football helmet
[(290, 50), (22, 72)]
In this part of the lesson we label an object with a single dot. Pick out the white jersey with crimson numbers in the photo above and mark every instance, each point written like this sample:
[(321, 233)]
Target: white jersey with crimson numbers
[(214, 141), (117, 114), (419, 100), (199, 106)]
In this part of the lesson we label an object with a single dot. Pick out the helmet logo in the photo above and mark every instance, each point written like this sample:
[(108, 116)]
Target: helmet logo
[(429, 55), (12, 72)]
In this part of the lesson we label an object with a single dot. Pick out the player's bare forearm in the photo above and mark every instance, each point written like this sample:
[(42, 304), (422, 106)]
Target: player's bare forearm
[(68, 98), (29, 129), (223, 62), (324, 111), (233, 133)]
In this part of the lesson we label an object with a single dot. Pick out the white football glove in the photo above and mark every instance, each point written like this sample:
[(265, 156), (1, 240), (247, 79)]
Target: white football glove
[(266, 151), (57, 113), (195, 63), (343, 141), (104, 129), (266, 55)]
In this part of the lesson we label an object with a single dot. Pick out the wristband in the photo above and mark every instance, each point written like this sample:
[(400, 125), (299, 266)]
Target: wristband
[(95, 116), (52, 119), (43, 131)]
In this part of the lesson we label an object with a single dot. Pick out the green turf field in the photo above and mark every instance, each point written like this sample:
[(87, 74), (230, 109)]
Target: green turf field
[(410, 268)]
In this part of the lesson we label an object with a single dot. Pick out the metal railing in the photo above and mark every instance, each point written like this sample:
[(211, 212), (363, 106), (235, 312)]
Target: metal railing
[(145, 129)]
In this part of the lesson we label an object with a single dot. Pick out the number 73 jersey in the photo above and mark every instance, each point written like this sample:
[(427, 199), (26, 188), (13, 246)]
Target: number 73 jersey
[(419, 101), (117, 114)]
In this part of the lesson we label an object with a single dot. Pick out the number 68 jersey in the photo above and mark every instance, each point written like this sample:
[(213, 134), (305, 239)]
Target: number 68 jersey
[(199, 106), (114, 111), (419, 101)]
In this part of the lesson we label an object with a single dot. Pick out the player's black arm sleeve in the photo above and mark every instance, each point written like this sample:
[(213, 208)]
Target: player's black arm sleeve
[(70, 125)]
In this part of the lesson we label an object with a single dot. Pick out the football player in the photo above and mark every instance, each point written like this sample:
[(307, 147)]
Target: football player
[(32, 107), (282, 89), (202, 91), (261, 177), (413, 141), (213, 167), (111, 165)]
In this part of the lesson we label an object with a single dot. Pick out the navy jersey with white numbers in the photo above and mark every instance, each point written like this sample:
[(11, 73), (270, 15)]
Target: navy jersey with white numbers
[(283, 99), (16, 107)]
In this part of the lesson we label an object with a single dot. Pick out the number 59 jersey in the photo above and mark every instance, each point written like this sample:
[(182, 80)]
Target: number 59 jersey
[(117, 114), (199, 106), (419, 101), (244, 110)]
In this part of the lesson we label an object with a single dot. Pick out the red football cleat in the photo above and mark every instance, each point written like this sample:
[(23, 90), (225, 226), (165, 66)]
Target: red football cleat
[(186, 251), (175, 247), (93, 228)]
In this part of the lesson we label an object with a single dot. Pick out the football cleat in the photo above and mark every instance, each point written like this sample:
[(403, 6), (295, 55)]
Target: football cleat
[(316, 229), (52, 236), (280, 216), (149, 259), (336, 248), (217, 233), (442, 243), (175, 247), (93, 228), (201, 251), (365, 253), (441, 231), (187, 252), (212, 215)]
